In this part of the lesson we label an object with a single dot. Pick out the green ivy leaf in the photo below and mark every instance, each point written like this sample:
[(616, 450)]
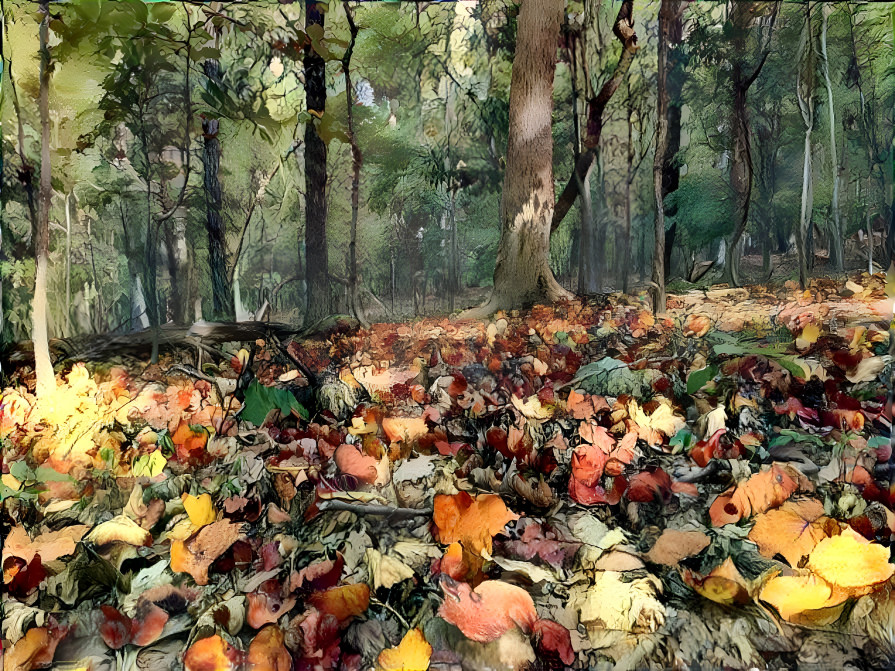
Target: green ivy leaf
[(260, 400)]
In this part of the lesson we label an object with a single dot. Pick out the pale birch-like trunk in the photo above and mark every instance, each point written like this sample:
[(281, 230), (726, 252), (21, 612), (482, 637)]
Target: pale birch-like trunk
[(43, 366), (836, 252), (805, 96)]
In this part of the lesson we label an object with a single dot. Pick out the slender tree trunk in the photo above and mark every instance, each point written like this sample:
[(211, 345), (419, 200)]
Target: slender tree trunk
[(624, 31), (587, 280), (356, 163), (317, 266), (223, 307), (43, 366), (522, 275), (836, 235), (805, 96), (674, 86), (625, 260), (666, 24), (741, 168)]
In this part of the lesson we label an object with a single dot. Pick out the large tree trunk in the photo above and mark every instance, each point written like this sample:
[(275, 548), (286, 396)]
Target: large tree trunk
[(43, 366), (317, 266), (222, 293), (805, 97), (836, 252), (522, 275)]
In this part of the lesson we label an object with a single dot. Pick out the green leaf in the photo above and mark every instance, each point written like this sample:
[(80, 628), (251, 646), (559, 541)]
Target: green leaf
[(150, 465), (162, 11), (20, 471), (260, 400), (699, 378)]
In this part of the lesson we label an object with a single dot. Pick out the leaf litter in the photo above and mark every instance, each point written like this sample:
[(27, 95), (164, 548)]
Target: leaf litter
[(583, 485)]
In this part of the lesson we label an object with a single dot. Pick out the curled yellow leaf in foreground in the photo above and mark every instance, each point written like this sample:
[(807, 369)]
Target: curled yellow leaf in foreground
[(411, 654), (199, 508), (793, 595), (851, 563)]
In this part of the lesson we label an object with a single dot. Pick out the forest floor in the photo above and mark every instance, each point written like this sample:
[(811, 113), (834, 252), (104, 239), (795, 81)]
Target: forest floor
[(576, 486)]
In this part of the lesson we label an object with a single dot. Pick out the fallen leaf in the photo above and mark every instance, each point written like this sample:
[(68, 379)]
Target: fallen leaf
[(344, 602), (724, 584), (792, 530), (196, 555), (212, 654), (851, 562), (268, 652), (471, 521), (120, 529), (759, 493), (673, 546), (489, 611), (200, 509), (412, 653), (793, 596)]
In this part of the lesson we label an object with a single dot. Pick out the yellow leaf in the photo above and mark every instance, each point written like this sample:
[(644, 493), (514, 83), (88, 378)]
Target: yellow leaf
[(793, 595), (119, 529), (199, 508), (850, 562), (411, 654)]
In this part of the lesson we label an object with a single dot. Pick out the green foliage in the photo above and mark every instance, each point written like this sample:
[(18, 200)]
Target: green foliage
[(260, 400)]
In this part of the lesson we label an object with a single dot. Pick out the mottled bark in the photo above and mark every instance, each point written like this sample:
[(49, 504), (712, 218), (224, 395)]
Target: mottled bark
[(317, 266), (522, 275), (805, 97), (836, 235)]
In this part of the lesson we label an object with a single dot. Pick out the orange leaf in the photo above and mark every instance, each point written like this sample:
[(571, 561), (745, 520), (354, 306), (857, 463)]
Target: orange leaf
[(792, 530), (488, 612), (35, 650), (212, 654), (196, 555), (759, 493), (344, 602), (267, 651), (413, 652), (471, 521), (351, 459)]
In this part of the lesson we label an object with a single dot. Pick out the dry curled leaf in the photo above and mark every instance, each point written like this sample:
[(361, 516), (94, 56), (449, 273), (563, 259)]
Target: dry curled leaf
[(212, 654), (673, 546), (268, 652)]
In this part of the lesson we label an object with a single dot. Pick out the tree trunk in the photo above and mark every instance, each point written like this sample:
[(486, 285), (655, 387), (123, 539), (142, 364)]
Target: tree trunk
[(836, 236), (43, 366), (522, 275), (666, 25), (223, 308), (317, 266), (356, 162), (674, 86), (741, 169), (587, 276), (179, 269), (805, 96), (624, 31)]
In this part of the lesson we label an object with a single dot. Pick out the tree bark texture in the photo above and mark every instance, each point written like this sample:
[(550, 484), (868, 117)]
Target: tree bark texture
[(522, 275), (805, 97), (317, 266), (43, 366), (741, 169), (836, 236), (221, 291)]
